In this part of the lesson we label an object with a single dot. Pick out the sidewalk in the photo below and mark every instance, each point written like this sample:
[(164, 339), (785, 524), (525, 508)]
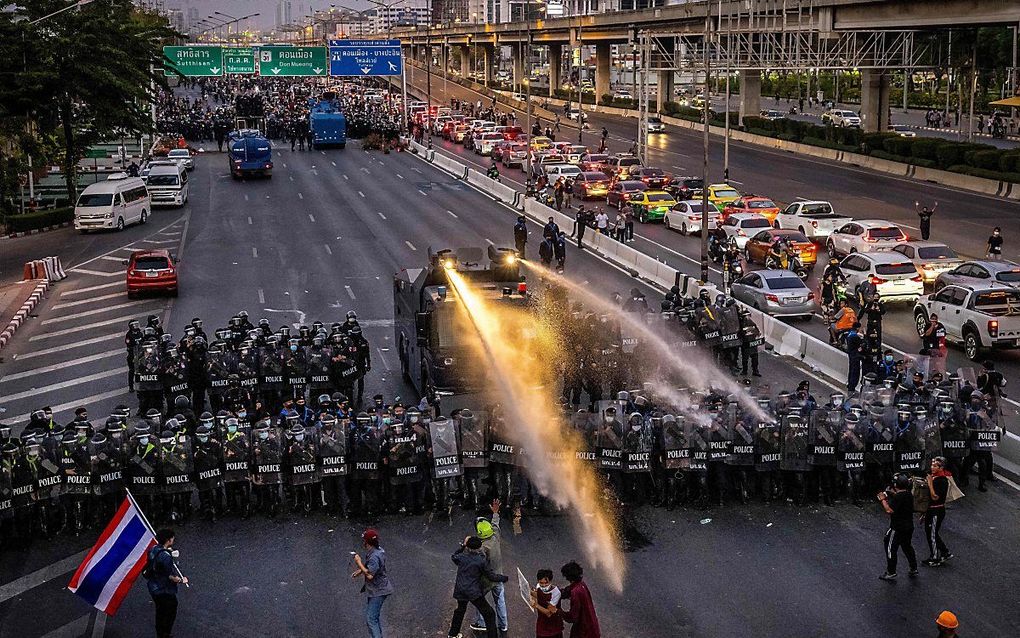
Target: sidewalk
[(14, 299)]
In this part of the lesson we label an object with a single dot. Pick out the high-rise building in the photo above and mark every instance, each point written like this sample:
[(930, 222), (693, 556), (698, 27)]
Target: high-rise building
[(284, 13)]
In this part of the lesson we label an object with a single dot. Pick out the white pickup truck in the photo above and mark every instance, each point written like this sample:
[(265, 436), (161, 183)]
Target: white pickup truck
[(980, 317), (816, 220)]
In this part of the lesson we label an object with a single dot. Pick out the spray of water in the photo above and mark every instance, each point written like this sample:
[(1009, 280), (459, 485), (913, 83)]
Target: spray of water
[(694, 367), (519, 348)]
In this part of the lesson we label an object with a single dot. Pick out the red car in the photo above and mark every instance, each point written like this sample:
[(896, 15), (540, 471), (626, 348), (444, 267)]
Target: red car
[(620, 192), (151, 270), (752, 204), (512, 132)]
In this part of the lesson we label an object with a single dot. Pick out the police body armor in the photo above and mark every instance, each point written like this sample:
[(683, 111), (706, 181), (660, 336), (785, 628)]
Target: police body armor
[(236, 457), (267, 459), (147, 366), (721, 433), (209, 464), (76, 463), (742, 448), (248, 369), (928, 426), (474, 450), (6, 488), (142, 468), (367, 443), (46, 470), (795, 443), (22, 479), (982, 432), (767, 446), (823, 434), (302, 466), (297, 369), (178, 465), (108, 465), (952, 431), (675, 445), (851, 447), (271, 368), (333, 451), (708, 325), (446, 456), (219, 366), (750, 335), (403, 460), (319, 368), (175, 377)]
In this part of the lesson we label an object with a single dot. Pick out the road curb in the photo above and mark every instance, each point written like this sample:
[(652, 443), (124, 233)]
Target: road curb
[(23, 313), (35, 231)]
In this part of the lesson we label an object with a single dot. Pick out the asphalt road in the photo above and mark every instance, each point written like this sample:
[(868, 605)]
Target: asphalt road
[(963, 220), (325, 235)]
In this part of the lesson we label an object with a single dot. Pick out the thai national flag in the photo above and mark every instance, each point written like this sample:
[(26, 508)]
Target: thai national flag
[(115, 561)]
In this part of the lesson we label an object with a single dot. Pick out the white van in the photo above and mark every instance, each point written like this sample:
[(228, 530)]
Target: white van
[(168, 185), (115, 203)]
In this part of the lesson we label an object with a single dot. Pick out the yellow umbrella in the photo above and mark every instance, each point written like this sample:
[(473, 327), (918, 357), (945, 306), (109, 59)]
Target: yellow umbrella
[(1010, 101)]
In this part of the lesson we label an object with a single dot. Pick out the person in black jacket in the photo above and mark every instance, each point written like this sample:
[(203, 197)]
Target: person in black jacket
[(899, 505), (472, 569)]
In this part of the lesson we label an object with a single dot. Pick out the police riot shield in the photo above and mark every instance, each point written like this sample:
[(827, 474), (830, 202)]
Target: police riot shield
[(708, 325), (446, 456), (175, 377), (332, 451), (609, 439), (267, 459), (320, 368), (142, 467), (675, 444), (823, 433), (271, 368), (107, 465), (76, 462), (952, 430), (147, 366), (219, 365), (795, 443), (367, 444), (851, 447), (928, 426), (236, 457), (22, 479), (699, 437), (302, 468), (583, 424), (296, 366), (345, 366), (881, 433), (909, 447), (501, 447), (178, 465), (982, 432), (49, 478), (474, 442), (729, 326), (721, 432), (7, 486), (248, 369), (637, 448), (742, 448), (209, 465), (767, 446), (403, 460)]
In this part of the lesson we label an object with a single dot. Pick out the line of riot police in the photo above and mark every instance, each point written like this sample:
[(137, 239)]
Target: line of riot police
[(244, 365)]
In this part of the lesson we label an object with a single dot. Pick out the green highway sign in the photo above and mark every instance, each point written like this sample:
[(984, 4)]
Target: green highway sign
[(276, 61), (193, 61), (238, 61)]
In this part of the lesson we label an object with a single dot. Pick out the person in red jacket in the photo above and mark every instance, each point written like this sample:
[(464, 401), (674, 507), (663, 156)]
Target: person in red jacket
[(581, 615), (545, 598)]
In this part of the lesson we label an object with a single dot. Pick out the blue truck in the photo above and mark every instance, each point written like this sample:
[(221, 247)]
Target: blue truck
[(249, 153), (327, 122)]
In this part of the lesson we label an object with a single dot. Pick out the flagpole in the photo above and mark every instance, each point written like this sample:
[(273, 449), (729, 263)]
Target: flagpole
[(148, 526)]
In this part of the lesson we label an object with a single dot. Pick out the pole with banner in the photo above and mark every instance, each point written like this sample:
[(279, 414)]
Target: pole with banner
[(148, 526)]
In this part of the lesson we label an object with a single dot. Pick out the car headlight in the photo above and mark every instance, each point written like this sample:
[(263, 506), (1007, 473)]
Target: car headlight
[(108, 216)]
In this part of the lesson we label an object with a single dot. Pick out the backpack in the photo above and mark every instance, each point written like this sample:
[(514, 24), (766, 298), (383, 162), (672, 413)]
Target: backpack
[(149, 571)]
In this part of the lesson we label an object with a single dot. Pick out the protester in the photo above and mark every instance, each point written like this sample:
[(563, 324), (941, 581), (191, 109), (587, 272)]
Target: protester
[(377, 586), (489, 533), (947, 624), (925, 214), (898, 503), (545, 598), (472, 570), (163, 577), (935, 515), (994, 248), (581, 614)]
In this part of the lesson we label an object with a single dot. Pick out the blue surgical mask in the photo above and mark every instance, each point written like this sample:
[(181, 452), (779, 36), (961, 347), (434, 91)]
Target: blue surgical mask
[(888, 358), (293, 348), (231, 428), (242, 414), (263, 435)]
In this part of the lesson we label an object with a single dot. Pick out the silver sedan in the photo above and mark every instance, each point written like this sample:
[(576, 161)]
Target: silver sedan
[(980, 272), (779, 293)]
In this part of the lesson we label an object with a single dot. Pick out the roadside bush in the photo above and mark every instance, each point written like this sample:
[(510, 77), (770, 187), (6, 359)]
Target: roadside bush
[(1010, 162), (39, 219), (988, 160), (925, 148), (754, 122), (760, 131), (897, 145), (987, 174)]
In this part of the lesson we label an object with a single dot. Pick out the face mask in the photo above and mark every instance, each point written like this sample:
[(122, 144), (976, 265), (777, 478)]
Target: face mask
[(636, 428), (414, 419), (387, 421), (545, 589), (293, 348), (144, 440), (33, 452), (203, 439), (888, 358), (232, 428), (242, 414), (299, 437), (609, 419), (263, 435)]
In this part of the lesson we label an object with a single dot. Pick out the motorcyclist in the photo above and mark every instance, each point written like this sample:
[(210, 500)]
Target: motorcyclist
[(493, 172), (776, 256), (845, 318), (732, 268), (832, 277)]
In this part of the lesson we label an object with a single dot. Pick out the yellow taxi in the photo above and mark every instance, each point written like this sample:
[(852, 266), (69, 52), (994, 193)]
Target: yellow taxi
[(651, 206), (540, 143), (722, 194)]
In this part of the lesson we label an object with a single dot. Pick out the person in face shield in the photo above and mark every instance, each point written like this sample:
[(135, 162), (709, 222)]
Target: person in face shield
[(132, 338), (208, 472)]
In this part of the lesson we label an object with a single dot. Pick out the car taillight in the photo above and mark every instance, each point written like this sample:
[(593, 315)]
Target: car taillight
[(741, 232), (626, 196), (810, 296), (876, 280), (917, 279), (522, 288), (772, 298), (132, 273), (903, 237), (269, 164), (870, 239), (993, 328), (813, 224)]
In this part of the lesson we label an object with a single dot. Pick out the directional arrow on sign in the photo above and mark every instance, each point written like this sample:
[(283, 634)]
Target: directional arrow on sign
[(275, 71), (317, 71), (366, 69), (215, 70)]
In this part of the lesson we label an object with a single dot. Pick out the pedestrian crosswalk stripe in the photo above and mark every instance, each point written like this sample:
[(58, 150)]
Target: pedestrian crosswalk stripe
[(97, 311), (112, 258), (88, 326), (79, 291), (97, 273), (76, 344), (71, 405), (60, 366), (65, 384), (82, 302)]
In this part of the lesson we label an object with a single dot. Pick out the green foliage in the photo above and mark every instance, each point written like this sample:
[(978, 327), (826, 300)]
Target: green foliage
[(39, 219), (987, 174)]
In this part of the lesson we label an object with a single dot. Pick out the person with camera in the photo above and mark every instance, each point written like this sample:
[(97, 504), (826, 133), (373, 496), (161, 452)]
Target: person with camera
[(898, 503)]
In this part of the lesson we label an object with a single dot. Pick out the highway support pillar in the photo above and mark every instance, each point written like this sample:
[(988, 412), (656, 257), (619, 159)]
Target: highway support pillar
[(602, 83), (519, 76), (874, 100), (489, 62), (750, 94), (555, 67), (465, 61)]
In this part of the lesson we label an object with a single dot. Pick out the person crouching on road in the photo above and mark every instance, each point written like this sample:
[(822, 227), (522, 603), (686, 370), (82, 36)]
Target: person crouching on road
[(472, 570)]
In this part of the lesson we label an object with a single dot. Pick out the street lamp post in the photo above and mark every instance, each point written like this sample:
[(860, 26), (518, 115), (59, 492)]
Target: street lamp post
[(527, 93), (76, 5)]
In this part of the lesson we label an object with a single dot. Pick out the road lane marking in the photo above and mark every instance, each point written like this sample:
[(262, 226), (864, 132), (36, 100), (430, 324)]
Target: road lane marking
[(246, 197), (315, 172), (81, 302), (360, 193), (99, 628), (416, 169), (381, 215), (332, 162), (95, 273), (262, 296), (345, 176), (120, 260), (453, 213), (63, 364), (79, 291), (410, 245), (97, 311), (249, 220), (300, 196), (290, 177), (491, 243), (350, 292), (367, 172), (40, 576), (71, 405), (254, 252), (329, 250), (53, 387), (159, 242), (311, 217), (382, 356), (76, 344), (423, 192), (400, 176), (98, 324)]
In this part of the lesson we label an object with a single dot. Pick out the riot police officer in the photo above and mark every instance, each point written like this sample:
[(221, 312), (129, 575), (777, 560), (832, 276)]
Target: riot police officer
[(131, 340), (209, 472)]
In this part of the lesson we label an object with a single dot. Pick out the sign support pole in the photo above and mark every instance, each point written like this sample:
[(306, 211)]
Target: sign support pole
[(403, 81)]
